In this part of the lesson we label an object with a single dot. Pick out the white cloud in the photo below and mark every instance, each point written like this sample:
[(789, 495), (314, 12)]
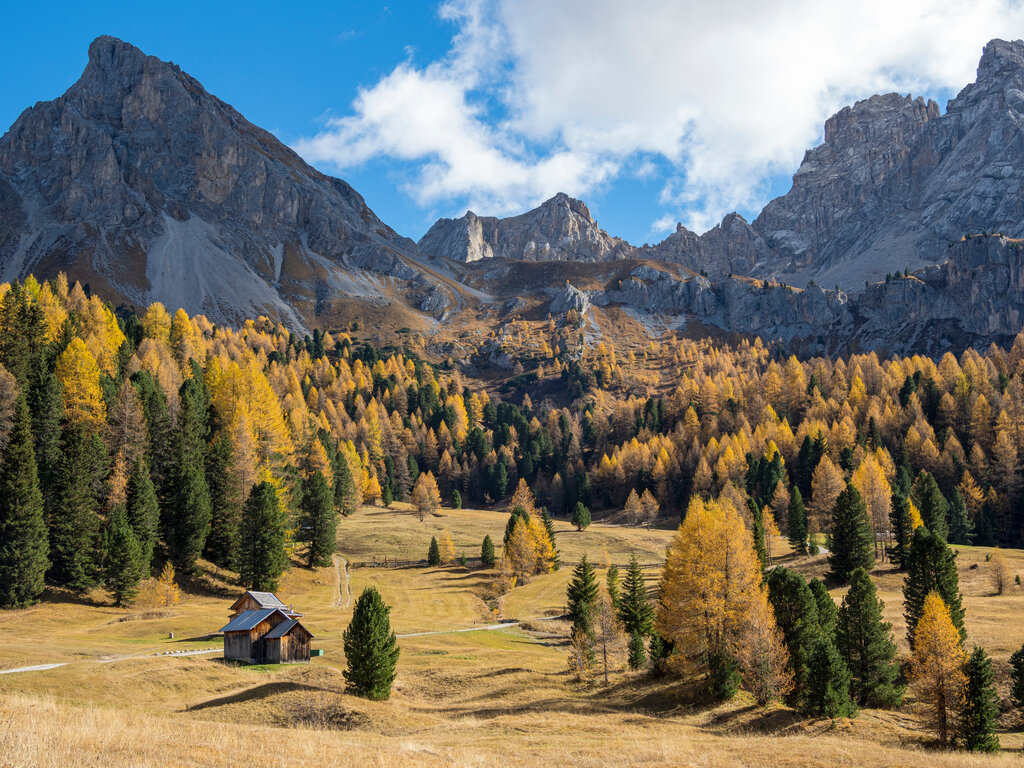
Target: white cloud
[(536, 97)]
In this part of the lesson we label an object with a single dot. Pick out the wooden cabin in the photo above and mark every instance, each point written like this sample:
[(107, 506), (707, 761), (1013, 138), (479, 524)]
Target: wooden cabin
[(266, 636), (258, 601)]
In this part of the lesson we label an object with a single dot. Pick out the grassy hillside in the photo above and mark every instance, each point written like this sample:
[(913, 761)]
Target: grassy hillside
[(464, 698)]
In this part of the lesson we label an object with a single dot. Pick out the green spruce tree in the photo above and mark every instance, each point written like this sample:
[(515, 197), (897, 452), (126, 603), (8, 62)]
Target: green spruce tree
[(549, 526), (931, 565), (486, 553), (1017, 679), (961, 527), (319, 522), (637, 653), (611, 581), (581, 597), (902, 530), (866, 643), (796, 613), (226, 498), (24, 548), (827, 609), (188, 514), (345, 496), (371, 648), (580, 516), (980, 711), (262, 558), (122, 562), (434, 552), (852, 541), (931, 504), (75, 529), (143, 512), (828, 683), (797, 523), (635, 611)]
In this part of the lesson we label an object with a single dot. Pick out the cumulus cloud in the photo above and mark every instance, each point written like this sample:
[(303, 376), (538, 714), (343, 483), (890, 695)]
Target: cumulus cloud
[(536, 97)]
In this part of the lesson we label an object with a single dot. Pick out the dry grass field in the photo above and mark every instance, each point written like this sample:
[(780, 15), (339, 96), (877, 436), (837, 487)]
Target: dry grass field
[(493, 697)]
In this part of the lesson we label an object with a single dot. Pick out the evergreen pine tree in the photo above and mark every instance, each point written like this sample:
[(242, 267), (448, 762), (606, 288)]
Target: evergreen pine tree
[(188, 514), (225, 503), (980, 711), (828, 612), (74, 524), (931, 566), (45, 405), (457, 501), (635, 611), (143, 512), (852, 539), (797, 522), (122, 562), (931, 504), (25, 548), (486, 553), (902, 529), (757, 516), (580, 516), (865, 642), (344, 488), (611, 580), (434, 552), (371, 648), (162, 440), (549, 526), (637, 653), (581, 597), (796, 613), (319, 522), (262, 558), (1017, 679), (961, 527), (828, 683)]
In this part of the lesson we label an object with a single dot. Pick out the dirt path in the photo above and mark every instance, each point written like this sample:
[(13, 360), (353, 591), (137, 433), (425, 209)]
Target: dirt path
[(484, 628), (343, 598)]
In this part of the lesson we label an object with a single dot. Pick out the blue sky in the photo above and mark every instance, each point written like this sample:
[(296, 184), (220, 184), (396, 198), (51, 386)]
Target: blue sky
[(652, 112)]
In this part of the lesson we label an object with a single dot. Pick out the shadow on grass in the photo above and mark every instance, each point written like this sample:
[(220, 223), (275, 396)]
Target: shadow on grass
[(254, 694)]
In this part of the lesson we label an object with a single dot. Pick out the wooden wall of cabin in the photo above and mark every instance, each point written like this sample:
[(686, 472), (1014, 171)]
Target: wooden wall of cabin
[(237, 646)]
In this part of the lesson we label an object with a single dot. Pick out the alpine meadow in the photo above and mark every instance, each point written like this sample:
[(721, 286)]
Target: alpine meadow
[(280, 485)]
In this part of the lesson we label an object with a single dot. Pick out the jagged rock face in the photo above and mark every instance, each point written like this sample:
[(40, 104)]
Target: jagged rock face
[(560, 229), (893, 183), (138, 178), (834, 198)]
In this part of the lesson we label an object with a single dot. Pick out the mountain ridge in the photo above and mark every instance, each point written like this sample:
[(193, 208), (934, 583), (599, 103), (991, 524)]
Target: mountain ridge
[(869, 198)]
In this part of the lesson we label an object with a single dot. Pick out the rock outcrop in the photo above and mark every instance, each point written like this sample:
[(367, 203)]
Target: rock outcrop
[(140, 182), (560, 229)]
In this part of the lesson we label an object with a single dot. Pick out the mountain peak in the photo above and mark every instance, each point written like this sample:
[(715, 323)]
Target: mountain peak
[(1001, 56), (109, 55)]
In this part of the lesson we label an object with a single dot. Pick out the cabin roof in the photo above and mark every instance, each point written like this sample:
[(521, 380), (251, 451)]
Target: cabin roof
[(284, 628), (246, 620), (263, 599)]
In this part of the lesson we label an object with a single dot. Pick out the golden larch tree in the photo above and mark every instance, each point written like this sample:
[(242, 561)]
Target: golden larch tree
[(79, 376), (710, 585), (937, 665)]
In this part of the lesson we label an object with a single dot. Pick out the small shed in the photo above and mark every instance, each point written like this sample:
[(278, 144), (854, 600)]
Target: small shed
[(257, 601), (288, 643), (266, 636)]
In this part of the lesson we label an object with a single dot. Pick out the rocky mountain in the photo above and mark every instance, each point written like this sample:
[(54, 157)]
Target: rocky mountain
[(144, 185), (140, 183), (560, 229), (893, 183)]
